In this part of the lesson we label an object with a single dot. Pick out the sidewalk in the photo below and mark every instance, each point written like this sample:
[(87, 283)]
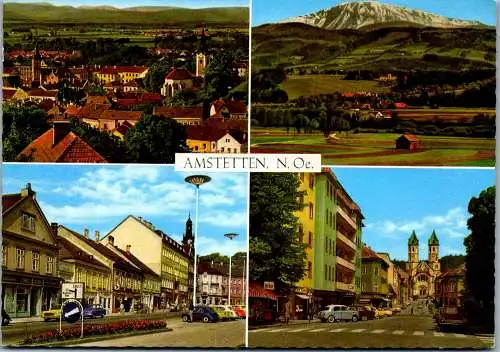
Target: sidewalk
[(26, 320), (279, 323)]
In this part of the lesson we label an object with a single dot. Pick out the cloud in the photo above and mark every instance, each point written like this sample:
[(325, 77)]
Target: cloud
[(207, 245), (224, 219)]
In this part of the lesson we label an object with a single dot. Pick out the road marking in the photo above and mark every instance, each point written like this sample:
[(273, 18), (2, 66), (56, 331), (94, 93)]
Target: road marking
[(418, 333), (398, 332), (459, 335), (316, 330), (358, 330), (297, 330), (438, 333), (378, 331), (275, 330), (337, 330)]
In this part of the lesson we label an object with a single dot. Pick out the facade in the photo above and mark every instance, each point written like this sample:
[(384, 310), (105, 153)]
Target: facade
[(109, 120), (407, 141), (374, 279), (163, 255), (330, 226), (392, 279), (201, 64), (185, 115), (423, 273), (122, 74), (212, 284), (228, 109), (178, 80), (29, 256), (450, 287), (404, 292)]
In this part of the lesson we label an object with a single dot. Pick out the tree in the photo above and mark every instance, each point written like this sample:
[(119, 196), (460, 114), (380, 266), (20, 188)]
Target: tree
[(156, 74), (277, 254), (221, 75), (480, 259), (155, 139)]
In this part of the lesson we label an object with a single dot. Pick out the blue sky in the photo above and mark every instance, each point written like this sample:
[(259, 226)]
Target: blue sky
[(132, 3), (269, 11), (99, 197), (396, 201)]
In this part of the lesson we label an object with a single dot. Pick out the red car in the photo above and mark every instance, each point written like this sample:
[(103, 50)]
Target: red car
[(240, 311)]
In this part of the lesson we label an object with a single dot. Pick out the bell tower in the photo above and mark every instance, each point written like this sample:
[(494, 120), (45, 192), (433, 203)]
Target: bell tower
[(188, 235), (201, 64), (413, 257), (434, 252), (36, 63)]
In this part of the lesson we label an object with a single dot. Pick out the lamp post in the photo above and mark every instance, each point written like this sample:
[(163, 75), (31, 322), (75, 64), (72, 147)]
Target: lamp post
[(196, 180), (230, 236)]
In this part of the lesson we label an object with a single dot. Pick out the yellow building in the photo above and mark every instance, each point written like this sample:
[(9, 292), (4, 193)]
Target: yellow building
[(29, 256), (162, 254), (122, 74)]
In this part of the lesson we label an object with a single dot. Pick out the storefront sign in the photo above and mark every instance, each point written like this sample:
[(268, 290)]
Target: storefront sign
[(72, 290), (269, 285)]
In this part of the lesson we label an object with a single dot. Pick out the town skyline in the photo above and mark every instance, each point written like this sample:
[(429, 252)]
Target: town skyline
[(427, 200), (71, 196), (264, 12)]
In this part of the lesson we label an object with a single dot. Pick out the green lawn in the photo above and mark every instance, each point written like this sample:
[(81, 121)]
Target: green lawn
[(378, 149), (306, 85)]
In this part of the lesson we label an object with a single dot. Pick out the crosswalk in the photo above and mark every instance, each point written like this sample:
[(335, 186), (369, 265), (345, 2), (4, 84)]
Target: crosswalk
[(327, 330)]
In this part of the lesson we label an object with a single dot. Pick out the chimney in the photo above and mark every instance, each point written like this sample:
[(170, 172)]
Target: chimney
[(61, 129), (111, 240), (97, 236), (128, 248), (27, 191), (54, 226), (86, 233)]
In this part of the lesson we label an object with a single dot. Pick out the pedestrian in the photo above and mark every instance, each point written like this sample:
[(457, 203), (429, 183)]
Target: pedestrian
[(122, 307), (288, 310), (411, 310), (191, 309)]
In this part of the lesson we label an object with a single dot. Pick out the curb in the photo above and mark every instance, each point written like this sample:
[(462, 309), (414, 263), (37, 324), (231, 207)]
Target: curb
[(77, 342), (257, 327)]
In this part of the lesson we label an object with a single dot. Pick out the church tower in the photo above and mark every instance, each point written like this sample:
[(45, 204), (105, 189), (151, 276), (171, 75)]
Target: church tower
[(201, 64), (188, 235), (413, 257), (434, 252), (36, 63)]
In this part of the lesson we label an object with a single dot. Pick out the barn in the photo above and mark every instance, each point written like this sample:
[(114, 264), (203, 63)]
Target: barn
[(407, 141)]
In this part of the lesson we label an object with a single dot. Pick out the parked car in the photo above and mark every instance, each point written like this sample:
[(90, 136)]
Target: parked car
[(94, 311), (396, 309), (365, 312), (336, 312), (52, 314), (240, 311), (387, 312), (5, 318), (224, 312), (201, 313)]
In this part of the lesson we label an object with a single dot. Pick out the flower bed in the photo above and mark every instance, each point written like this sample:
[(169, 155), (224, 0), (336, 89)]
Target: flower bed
[(94, 330)]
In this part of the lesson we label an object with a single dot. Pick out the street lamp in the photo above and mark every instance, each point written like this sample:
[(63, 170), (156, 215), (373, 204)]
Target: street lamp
[(196, 180), (230, 236)]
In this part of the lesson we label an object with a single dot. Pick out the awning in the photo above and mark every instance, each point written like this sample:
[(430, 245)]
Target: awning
[(303, 297), (256, 290)]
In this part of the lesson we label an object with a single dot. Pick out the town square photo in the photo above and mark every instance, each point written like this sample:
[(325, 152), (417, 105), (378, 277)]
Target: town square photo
[(389, 82), (124, 82), (103, 256), (372, 258)]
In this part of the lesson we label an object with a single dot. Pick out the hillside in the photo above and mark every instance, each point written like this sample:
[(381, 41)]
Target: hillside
[(46, 13), (358, 14), (300, 46)]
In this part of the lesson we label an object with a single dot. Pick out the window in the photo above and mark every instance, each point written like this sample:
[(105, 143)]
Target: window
[(204, 146), (196, 147), (35, 261), (50, 265), (4, 255), (326, 216), (309, 269), (20, 258), (235, 150), (28, 222), (311, 181), (326, 272), (310, 239), (311, 210), (301, 233)]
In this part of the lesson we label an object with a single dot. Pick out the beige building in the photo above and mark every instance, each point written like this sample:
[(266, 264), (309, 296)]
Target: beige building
[(29, 256), (159, 252), (392, 279)]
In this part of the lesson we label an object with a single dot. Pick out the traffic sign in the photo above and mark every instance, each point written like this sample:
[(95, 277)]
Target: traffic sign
[(71, 312), (72, 290)]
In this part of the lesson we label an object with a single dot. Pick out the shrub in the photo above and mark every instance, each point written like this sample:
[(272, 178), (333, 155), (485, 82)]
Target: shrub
[(94, 330)]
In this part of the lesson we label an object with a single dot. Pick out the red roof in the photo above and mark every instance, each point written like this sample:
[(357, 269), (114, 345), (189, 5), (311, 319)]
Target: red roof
[(205, 133), (75, 252), (400, 105), (46, 105), (121, 115), (70, 149), (119, 69), (256, 290), (236, 125), (179, 74), (126, 102), (368, 253), (233, 106), (123, 128), (410, 137), (72, 110), (179, 112), (8, 200), (150, 98), (8, 93), (8, 70), (97, 100), (42, 93)]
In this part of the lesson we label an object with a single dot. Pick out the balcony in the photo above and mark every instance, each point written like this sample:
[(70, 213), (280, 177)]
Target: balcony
[(346, 217), (345, 287), (345, 263), (346, 240)]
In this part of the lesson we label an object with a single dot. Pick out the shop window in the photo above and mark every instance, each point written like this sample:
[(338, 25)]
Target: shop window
[(22, 295)]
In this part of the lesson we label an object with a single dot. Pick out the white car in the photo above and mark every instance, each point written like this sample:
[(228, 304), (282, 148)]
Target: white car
[(338, 312)]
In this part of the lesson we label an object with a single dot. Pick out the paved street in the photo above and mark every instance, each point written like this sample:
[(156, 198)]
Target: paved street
[(17, 331), (221, 334), (400, 331)]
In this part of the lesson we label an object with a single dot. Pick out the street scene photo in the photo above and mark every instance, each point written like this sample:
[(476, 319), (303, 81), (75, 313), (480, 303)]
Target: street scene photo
[(103, 256), (372, 258), (368, 82), (124, 82)]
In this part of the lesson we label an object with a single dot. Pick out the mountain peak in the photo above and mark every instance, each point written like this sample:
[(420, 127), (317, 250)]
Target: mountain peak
[(357, 14)]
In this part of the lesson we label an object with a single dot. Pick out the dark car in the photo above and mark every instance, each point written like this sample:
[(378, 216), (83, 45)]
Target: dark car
[(94, 311), (365, 312), (201, 313), (5, 318)]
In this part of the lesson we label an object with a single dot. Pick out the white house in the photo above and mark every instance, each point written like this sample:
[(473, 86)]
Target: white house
[(228, 144)]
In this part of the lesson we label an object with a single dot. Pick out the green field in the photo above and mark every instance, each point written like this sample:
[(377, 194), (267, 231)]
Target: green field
[(296, 86), (377, 149)]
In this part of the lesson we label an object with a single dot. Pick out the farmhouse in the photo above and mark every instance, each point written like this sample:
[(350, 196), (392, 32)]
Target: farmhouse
[(407, 141)]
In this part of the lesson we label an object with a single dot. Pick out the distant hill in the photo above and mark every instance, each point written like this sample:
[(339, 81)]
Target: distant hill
[(47, 13), (298, 45), (358, 14)]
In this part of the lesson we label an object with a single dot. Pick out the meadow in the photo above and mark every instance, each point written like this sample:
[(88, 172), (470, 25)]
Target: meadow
[(377, 148)]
